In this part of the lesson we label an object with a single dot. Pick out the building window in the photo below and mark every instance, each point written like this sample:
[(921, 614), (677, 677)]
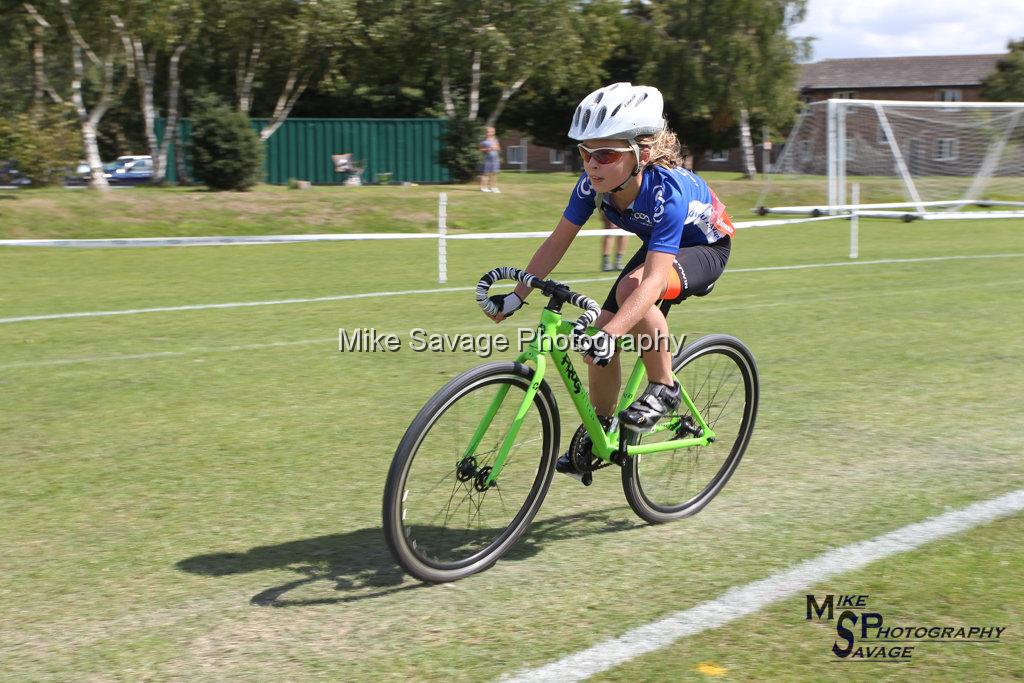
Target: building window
[(516, 154), (720, 155), (949, 96), (947, 149), (556, 157), (845, 95)]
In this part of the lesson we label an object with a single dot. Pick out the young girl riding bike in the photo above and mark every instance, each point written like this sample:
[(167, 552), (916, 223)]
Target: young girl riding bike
[(634, 175)]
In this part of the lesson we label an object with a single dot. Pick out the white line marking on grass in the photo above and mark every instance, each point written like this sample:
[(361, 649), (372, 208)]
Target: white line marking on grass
[(830, 298), (745, 600), (441, 290), (165, 354)]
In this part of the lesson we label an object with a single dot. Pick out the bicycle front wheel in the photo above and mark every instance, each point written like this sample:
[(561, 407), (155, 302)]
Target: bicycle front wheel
[(440, 520), (719, 373)]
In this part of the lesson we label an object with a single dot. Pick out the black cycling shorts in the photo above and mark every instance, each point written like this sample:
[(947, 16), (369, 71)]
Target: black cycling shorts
[(696, 267)]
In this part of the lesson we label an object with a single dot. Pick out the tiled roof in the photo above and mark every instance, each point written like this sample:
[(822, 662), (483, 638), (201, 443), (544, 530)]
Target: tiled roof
[(897, 72)]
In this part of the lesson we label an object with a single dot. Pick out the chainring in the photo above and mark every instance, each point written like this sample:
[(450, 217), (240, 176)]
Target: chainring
[(581, 452)]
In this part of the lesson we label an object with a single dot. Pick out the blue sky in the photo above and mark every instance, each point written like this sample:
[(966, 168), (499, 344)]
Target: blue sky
[(892, 28)]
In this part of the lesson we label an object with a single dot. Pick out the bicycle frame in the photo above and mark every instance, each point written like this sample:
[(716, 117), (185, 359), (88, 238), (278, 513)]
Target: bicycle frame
[(605, 444)]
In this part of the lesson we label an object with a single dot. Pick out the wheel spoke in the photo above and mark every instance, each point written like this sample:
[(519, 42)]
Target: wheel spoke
[(446, 522), (669, 485)]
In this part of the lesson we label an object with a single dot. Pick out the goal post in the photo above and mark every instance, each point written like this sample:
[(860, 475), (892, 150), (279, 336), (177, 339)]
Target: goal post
[(924, 157)]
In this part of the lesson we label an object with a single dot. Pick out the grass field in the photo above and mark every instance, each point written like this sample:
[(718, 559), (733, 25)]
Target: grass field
[(527, 202), (195, 494)]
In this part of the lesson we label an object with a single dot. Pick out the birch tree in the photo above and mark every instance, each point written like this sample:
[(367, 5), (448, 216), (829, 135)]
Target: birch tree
[(157, 35), (274, 50), (101, 64), (487, 51)]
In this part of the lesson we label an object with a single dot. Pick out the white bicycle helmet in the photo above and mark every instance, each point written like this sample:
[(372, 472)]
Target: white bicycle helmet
[(619, 110)]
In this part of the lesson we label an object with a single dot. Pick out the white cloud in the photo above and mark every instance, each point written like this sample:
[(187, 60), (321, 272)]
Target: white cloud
[(892, 28)]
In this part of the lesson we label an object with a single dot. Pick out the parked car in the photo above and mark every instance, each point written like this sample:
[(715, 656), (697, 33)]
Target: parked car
[(11, 176), (130, 170)]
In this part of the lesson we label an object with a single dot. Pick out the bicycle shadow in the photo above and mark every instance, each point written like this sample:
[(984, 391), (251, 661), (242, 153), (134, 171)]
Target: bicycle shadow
[(360, 564)]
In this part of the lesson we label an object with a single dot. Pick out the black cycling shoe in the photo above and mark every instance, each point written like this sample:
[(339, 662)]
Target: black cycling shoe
[(657, 401)]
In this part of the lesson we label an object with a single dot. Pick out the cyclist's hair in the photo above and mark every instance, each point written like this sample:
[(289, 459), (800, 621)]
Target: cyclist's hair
[(664, 146)]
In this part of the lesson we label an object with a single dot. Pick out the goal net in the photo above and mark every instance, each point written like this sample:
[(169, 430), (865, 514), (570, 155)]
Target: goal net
[(909, 159)]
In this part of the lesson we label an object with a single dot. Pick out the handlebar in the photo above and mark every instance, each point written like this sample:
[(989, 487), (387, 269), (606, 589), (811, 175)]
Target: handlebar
[(557, 291)]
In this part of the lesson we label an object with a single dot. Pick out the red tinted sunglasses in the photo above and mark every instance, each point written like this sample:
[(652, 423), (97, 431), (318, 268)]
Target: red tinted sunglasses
[(602, 155)]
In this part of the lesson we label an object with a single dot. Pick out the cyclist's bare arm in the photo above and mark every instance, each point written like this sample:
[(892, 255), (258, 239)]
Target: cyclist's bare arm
[(549, 253)]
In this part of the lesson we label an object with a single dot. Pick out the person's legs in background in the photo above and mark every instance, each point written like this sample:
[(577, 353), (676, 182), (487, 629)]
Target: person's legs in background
[(607, 243)]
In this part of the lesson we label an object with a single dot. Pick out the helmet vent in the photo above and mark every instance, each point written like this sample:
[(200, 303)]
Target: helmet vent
[(586, 119), (616, 110), (601, 113), (600, 96)]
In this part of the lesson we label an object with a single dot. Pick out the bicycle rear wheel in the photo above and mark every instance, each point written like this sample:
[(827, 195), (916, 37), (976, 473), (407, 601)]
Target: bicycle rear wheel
[(719, 373), (440, 522)]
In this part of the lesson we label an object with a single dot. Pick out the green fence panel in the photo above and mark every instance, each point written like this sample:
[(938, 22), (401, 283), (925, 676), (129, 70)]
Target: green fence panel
[(397, 150)]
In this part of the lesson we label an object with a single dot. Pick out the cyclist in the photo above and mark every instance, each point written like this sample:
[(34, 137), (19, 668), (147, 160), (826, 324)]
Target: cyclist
[(634, 175)]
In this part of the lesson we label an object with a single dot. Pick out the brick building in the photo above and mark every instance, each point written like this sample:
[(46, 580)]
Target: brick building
[(943, 78), (516, 149)]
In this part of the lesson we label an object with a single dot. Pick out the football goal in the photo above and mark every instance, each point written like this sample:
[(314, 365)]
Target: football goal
[(931, 160)]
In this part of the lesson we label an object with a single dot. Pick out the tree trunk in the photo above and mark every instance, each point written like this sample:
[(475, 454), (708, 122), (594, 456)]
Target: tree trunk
[(144, 77), (446, 97), (474, 87), (244, 76), (749, 166), (293, 88), (89, 121), (40, 84), (506, 94), (171, 130)]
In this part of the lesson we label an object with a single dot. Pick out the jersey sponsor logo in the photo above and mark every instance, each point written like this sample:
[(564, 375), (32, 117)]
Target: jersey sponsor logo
[(583, 188), (640, 217), (659, 202), (701, 214)]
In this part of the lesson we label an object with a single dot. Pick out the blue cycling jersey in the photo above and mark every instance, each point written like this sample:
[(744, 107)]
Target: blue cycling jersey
[(674, 209)]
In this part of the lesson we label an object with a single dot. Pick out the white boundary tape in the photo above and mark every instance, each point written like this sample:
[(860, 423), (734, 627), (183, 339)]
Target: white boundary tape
[(742, 601), (135, 242), (440, 290)]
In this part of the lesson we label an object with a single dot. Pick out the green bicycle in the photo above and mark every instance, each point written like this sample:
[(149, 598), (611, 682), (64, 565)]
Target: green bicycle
[(477, 460)]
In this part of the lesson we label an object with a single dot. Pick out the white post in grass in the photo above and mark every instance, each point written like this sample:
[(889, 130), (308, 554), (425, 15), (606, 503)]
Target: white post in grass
[(855, 200), (442, 230)]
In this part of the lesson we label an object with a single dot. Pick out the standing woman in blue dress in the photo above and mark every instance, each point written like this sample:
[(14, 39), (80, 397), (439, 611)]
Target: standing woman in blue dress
[(490, 147)]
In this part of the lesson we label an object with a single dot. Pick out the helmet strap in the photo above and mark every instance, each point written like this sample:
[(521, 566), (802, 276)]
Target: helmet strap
[(636, 169)]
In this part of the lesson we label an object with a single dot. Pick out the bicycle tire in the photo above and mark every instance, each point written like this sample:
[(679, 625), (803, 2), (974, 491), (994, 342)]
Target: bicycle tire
[(424, 549), (647, 481)]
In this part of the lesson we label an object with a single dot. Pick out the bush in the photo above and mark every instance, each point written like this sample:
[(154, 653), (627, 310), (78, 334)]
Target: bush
[(45, 144), (226, 152), (461, 152)]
